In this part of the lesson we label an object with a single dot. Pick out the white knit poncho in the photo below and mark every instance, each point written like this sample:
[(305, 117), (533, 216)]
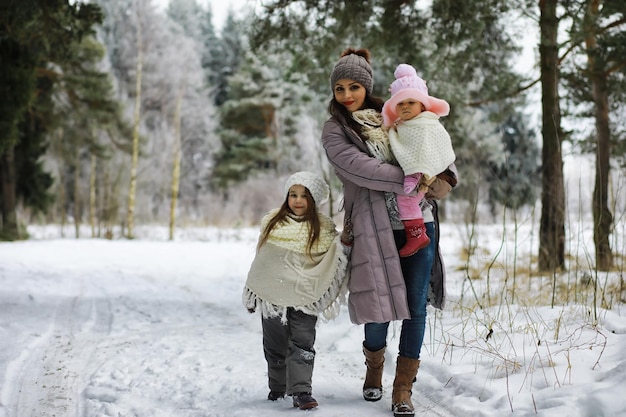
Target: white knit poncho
[(422, 144), (283, 275)]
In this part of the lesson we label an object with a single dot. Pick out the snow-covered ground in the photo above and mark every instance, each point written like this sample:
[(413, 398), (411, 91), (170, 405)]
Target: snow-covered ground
[(153, 328)]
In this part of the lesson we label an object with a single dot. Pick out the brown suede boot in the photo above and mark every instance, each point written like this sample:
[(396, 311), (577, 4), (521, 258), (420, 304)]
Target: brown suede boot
[(406, 370), (373, 386), (416, 237)]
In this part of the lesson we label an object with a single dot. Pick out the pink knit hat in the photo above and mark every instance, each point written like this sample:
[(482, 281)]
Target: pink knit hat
[(409, 85)]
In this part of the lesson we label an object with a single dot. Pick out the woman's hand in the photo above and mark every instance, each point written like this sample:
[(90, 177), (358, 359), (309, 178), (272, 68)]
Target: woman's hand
[(346, 235), (443, 183), (438, 189)]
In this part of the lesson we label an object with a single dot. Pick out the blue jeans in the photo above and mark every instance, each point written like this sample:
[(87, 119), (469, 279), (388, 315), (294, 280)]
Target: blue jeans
[(416, 270)]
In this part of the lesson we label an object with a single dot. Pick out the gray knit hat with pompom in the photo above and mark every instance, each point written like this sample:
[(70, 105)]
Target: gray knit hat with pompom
[(354, 65)]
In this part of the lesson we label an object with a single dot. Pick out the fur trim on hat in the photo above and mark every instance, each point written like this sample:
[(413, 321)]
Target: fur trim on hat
[(408, 85), (314, 183), (354, 65)]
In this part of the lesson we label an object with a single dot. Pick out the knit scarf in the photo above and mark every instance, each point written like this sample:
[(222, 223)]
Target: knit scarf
[(378, 144), (283, 275), (377, 138)]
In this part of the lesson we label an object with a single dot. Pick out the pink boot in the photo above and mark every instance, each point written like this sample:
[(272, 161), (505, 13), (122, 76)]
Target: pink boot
[(416, 237)]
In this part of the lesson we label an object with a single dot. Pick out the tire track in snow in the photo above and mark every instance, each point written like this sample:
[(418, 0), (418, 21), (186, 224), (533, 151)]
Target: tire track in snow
[(50, 379)]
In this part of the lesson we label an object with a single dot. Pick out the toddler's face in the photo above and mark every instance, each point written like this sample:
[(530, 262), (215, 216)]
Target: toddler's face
[(409, 108)]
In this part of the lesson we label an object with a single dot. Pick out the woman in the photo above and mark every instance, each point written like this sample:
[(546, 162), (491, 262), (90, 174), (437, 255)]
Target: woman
[(383, 287)]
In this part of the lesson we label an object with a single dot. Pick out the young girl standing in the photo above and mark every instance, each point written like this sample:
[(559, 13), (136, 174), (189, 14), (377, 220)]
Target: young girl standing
[(298, 273)]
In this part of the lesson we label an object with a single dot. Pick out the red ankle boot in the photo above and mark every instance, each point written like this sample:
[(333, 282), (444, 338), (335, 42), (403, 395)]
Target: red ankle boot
[(416, 237)]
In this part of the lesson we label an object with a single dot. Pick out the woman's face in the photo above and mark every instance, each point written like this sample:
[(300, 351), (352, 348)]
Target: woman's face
[(297, 200), (349, 94)]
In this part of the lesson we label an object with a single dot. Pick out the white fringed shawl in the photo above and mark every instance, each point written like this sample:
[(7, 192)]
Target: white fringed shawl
[(283, 275), (423, 145)]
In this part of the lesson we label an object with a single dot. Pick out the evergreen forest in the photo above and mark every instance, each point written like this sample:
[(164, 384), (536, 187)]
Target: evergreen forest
[(117, 113)]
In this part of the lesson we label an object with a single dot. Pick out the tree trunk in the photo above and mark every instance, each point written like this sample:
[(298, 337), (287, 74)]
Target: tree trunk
[(77, 212), (602, 216), (130, 219), (62, 196), (92, 195), (552, 227), (109, 208), (176, 165), (9, 229)]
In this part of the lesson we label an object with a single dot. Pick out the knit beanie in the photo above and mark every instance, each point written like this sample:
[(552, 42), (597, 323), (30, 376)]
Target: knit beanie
[(409, 86), (314, 183), (354, 67)]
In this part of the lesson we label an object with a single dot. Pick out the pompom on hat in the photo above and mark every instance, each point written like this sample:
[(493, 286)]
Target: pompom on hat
[(314, 183), (408, 85), (354, 65)]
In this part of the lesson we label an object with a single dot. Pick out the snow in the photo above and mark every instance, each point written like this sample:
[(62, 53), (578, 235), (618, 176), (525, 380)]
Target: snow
[(155, 328)]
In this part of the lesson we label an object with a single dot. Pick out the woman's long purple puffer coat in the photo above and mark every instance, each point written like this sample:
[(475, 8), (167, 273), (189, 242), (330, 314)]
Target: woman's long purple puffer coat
[(377, 288)]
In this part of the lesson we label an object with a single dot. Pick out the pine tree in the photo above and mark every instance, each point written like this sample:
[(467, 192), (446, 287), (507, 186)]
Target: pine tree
[(33, 35), (226, 58), (87, 111), (248, 127), (598, 35), (259, 122), (513, 180)]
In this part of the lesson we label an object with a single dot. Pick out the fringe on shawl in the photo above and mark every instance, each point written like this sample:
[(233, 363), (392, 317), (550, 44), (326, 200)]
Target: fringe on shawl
[(327, 307)]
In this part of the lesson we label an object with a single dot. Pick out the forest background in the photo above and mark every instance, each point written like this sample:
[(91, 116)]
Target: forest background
[(117, 113)]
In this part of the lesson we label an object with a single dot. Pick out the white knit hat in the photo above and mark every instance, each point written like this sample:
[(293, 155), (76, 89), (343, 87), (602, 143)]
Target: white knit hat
[(314, 183)]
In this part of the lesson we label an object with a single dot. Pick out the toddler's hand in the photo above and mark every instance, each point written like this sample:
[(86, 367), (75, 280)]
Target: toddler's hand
[(410, 183)]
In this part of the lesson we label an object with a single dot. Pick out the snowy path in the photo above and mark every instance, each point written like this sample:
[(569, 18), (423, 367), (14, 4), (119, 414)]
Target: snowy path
[(52, 374), (126, 329), (150, 328)]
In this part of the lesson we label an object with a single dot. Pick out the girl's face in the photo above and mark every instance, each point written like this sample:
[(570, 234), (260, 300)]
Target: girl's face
[(349, 94), (297, 200), (409, 108)]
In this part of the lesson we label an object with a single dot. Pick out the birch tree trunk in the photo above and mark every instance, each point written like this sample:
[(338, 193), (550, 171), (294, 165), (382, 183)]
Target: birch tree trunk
[(176, 164), (552, 224), (132, 189)]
